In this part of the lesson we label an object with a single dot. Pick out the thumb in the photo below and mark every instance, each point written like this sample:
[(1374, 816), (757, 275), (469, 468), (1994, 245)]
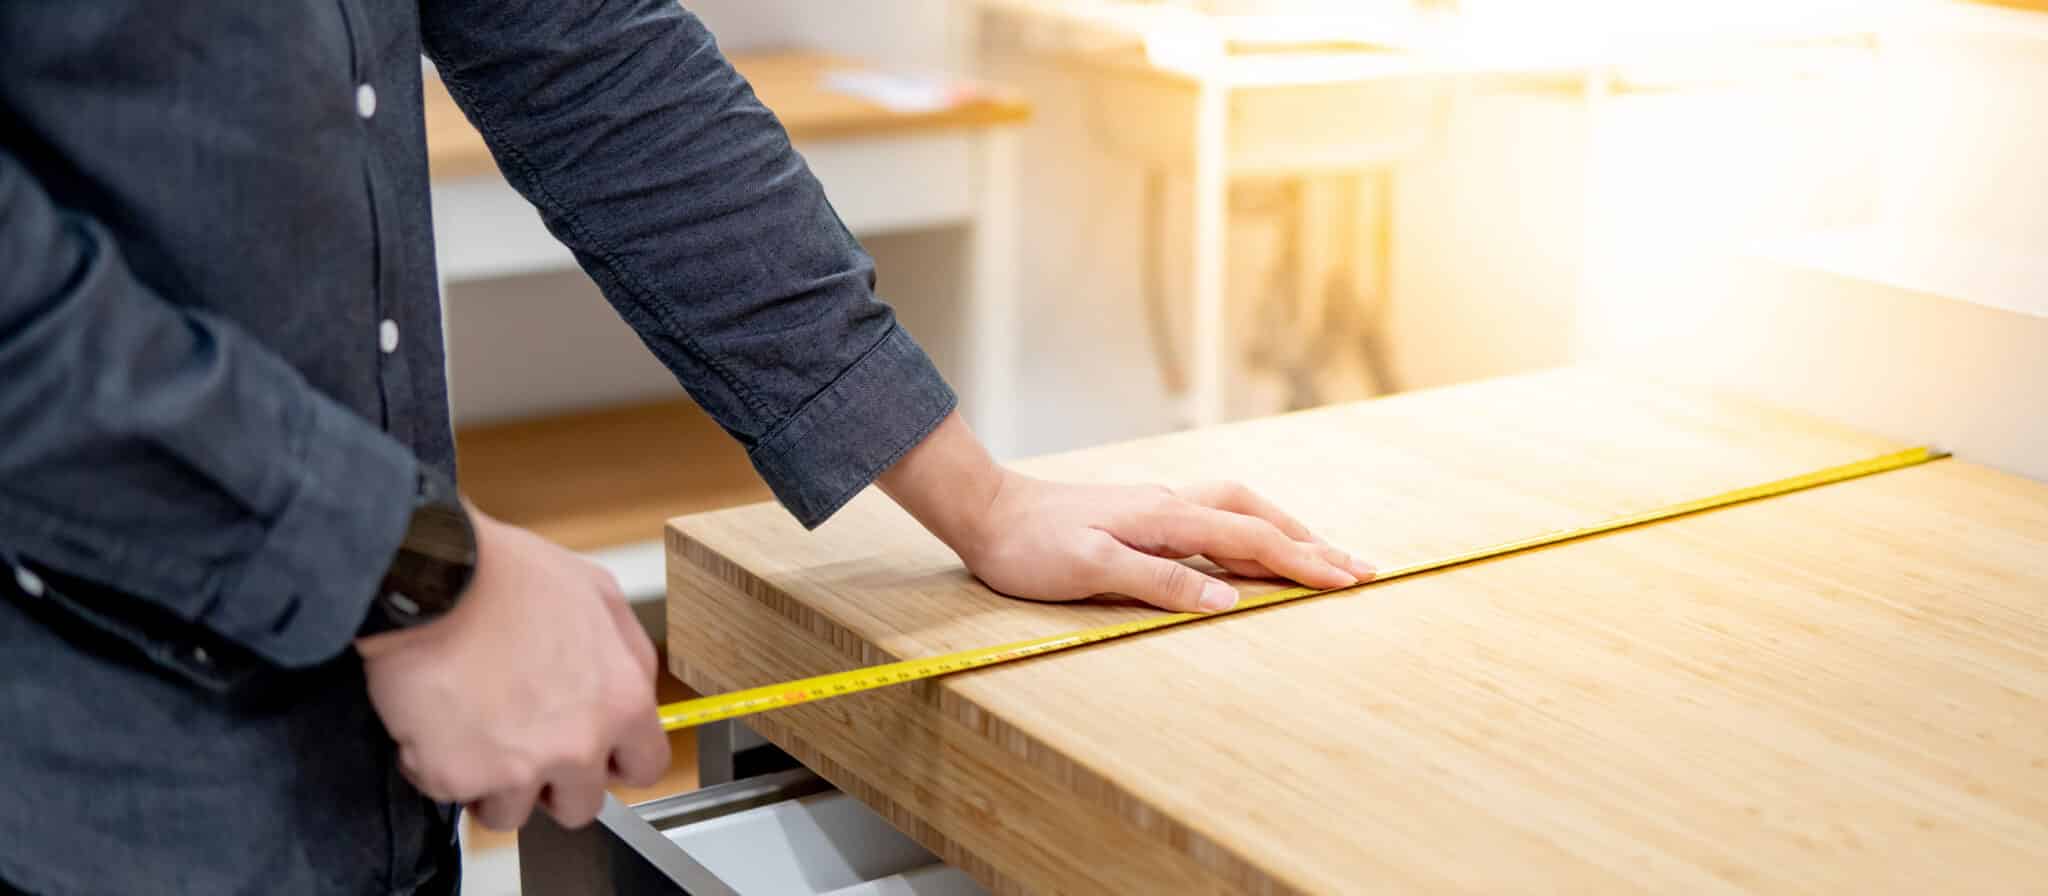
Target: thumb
[(1166, 584)]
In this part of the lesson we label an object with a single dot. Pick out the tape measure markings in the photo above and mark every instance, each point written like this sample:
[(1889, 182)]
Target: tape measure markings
[(719, 707)]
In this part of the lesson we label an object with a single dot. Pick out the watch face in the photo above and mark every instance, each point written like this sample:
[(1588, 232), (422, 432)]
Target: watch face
[(433, 566)]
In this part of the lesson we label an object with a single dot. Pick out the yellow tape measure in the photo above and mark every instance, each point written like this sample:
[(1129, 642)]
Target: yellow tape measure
[(718, 707)]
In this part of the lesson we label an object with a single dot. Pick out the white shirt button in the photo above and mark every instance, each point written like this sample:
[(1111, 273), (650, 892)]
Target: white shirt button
[(387, 336), (31, 584), (366, 100)]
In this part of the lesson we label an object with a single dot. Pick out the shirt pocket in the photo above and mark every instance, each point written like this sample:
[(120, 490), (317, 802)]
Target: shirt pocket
[(118, 627)]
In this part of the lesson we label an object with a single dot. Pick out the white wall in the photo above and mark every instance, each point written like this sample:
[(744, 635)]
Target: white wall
[(1489, 242), (925, 33), (1870, 255), (1536, 233)]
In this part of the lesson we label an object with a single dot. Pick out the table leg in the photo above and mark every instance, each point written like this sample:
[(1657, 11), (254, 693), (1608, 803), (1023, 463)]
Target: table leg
[(1376, 289), (1212, 197), (990, 398)]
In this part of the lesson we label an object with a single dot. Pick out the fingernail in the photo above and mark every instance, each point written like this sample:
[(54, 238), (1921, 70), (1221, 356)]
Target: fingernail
[(1359, 569), (1217, 597)]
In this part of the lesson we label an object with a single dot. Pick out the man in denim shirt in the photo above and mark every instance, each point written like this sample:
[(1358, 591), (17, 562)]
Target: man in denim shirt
[(223, 417)]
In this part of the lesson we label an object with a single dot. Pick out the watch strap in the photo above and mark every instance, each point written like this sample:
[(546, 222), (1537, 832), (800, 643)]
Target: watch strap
[(433, 564)]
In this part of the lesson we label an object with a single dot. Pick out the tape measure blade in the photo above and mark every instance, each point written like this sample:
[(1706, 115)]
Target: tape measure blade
[(735, 704)]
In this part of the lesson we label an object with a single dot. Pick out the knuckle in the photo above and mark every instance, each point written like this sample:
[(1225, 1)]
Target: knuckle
[(1100, 554), (516, 771), (631, 692), (433, 786), (1160, 499), (455, 786), (587, 750), (627, 707), (577, 815), (432, 779), (449, 787), (497, 816), (1311, 552), (508, 776), (1268, 536), (1172, 580)]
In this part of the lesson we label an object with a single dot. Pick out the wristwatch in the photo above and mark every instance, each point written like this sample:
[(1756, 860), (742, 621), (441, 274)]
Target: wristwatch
[(433, 564)]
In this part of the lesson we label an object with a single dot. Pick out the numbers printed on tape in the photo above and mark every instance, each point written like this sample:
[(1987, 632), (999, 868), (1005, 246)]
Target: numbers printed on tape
[(718, 707)]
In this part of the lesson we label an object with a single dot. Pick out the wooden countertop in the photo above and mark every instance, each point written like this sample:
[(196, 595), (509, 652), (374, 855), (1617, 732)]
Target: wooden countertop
[(1843, 690), (790, 83)]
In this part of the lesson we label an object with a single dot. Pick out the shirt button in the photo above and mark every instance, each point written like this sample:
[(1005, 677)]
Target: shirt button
[(31, 584), (366, 100), (200, 656), (387, 336)]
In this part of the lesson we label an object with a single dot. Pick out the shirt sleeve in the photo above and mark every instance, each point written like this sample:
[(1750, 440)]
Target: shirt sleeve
[(166, 455), (649, 156)]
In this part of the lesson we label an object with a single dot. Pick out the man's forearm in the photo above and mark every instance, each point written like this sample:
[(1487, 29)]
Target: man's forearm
[(948, 483), (647, 153), (168, 456)]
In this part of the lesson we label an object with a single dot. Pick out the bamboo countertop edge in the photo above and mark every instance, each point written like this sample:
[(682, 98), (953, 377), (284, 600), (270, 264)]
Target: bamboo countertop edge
[(878, 799), (953, 702), (709, 562)]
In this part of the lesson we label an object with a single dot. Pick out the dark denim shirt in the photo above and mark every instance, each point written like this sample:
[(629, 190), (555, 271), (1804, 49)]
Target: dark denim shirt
[(213, 217)]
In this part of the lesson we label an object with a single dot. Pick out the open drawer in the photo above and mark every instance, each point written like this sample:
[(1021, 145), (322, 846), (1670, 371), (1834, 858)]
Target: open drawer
[(785, 833)]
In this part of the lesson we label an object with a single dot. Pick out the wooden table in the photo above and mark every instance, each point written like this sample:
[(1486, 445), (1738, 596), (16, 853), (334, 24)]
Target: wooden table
[(792, 84), (1843, 690)]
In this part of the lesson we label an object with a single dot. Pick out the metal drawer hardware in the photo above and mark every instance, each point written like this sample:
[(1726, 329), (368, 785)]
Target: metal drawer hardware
[(789, 833), (625, 850)]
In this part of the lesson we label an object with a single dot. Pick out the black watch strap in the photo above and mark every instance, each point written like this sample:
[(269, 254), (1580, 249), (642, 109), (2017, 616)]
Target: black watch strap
[(434, 563)]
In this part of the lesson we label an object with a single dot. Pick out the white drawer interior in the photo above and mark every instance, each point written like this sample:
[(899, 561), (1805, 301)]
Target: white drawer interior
[(828, 843)]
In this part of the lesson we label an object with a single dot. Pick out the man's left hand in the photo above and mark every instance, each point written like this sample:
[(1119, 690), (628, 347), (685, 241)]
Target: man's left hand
[(1058, 541)]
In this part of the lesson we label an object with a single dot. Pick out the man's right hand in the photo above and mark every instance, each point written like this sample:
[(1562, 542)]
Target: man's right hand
[(537, 689)]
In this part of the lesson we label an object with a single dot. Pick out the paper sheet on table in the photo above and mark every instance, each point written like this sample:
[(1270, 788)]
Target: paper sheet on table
[(899, 92)]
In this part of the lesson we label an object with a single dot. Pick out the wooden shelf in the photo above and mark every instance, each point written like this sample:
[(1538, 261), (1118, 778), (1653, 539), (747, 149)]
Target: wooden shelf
[(606, 477), (789, 83)]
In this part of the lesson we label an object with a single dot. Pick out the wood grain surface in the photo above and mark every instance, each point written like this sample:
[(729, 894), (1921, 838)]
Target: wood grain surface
[(790, 83), (1838, 691)]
